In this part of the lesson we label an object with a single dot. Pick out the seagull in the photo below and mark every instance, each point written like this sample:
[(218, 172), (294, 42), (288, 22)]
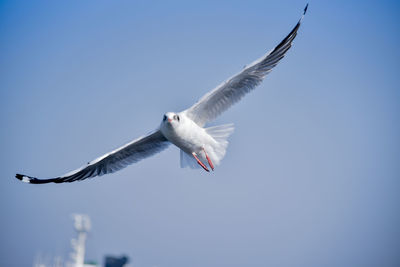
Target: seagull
[(200, 147)]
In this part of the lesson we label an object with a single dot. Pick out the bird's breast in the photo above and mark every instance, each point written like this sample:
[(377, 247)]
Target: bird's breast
[(188, 136)]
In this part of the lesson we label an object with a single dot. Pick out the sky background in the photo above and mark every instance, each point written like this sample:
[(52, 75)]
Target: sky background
[(312, 172)]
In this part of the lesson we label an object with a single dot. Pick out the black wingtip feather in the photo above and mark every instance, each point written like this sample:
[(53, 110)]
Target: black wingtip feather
[(305, 9), (24, 178), (33, 180), (291, 35)]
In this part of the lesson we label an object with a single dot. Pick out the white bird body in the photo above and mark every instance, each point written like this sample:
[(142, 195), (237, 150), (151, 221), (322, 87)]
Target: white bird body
[(192, 138), (186, 134), (186, 129)]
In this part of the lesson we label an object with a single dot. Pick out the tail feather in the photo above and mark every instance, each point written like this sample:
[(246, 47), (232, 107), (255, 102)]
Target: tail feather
[(220, 134), (215, 151)]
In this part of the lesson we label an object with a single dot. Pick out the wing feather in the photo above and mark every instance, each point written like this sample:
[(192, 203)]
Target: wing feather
[(232, 90), (116, 160)]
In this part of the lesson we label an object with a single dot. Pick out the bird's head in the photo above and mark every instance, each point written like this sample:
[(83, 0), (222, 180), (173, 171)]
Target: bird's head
[(171, 119)]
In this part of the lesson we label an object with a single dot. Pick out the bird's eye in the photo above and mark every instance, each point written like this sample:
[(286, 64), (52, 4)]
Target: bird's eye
[(165, 118), (176, 117)]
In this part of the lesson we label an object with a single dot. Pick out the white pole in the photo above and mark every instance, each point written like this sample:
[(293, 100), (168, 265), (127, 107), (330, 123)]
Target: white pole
[(82, 226)]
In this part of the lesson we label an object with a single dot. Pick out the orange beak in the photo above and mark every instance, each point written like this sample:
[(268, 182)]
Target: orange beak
[(169, 120)]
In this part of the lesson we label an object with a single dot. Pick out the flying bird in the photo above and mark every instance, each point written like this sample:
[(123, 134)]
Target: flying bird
[(199, 146)]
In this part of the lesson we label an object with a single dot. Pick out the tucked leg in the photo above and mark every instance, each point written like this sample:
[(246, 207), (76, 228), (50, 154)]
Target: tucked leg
[(209, 160), (199, 162)]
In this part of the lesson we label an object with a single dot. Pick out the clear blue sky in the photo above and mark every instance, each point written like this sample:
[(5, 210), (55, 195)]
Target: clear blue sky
[(311, 177)]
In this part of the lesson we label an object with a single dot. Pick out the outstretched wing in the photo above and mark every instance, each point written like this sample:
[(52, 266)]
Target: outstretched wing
[(232, 90), (116, 160)]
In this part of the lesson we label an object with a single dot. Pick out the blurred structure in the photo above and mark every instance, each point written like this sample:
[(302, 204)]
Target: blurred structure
[(82, 226), (111, 261)]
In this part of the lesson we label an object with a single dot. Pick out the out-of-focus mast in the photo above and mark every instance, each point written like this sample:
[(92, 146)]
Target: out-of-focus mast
[(82, 227)]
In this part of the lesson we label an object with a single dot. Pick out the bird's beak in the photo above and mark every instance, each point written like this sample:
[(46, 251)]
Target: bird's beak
[(169, 120)]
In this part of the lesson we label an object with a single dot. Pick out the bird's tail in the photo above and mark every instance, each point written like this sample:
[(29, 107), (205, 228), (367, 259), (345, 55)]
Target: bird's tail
[(215, 151), (220, 134)]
